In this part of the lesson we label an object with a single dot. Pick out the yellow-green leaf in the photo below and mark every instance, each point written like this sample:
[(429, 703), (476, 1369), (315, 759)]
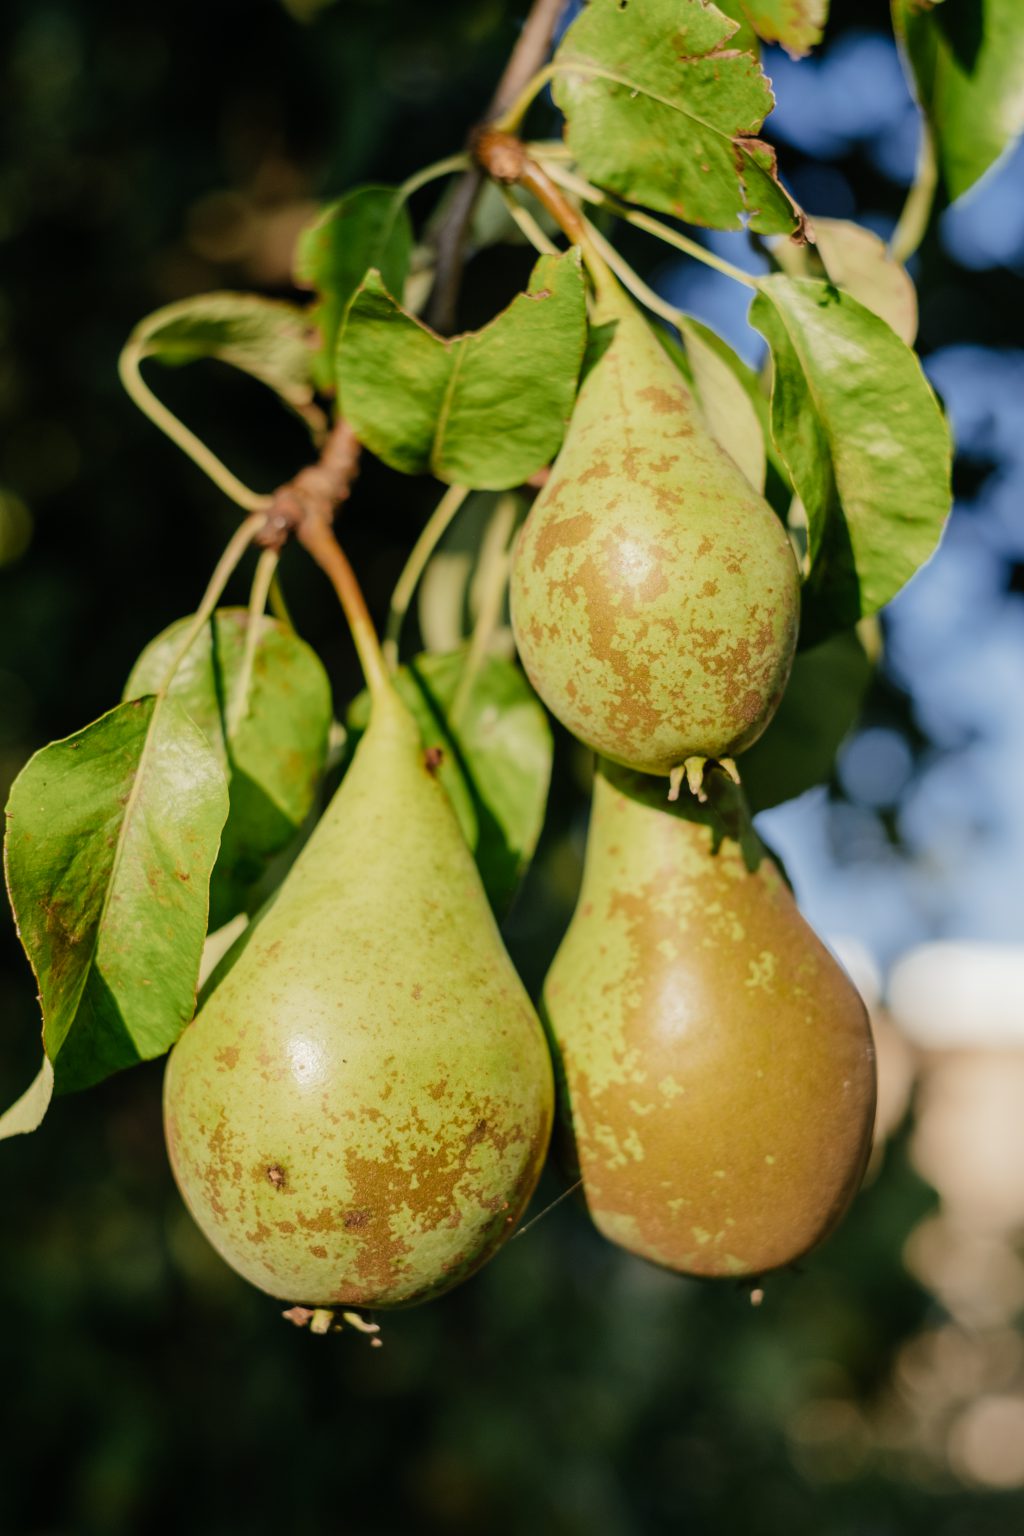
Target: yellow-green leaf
[(865, 443), (966, 62), (663, 109), (271, 745), (486, 409)]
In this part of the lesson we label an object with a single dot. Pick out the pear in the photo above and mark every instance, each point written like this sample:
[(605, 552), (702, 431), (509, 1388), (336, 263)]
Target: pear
[(359, 1112), (718, 1062), (654, 593)]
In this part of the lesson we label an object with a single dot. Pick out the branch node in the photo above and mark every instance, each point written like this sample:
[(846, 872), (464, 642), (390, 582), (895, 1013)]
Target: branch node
[(316, 492)]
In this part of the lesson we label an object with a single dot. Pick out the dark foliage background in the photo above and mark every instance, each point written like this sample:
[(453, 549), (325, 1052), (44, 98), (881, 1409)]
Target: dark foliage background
[(152, 152)]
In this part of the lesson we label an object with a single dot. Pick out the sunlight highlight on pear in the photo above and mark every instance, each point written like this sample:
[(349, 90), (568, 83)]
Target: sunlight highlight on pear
[(359, 1113), (718, 1062), (655, 595)]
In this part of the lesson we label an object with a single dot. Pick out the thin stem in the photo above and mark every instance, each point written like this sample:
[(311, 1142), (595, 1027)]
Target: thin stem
[(917, 210), (504, 158), (129, 368), (634, 216), (524, 219), (317, 537), (549, 149), (510, 119), (494, 583), (278, 606), (261, 584), (633, 281), (222, 572), (446, 167), (436, 526)]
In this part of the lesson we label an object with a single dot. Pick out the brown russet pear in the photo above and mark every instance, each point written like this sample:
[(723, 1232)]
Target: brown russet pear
[(717, 1061), (360, 1110), (654, 592)]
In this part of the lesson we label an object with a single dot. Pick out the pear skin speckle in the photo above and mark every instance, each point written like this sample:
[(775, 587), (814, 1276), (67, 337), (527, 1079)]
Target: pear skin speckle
[(717, 1061), (360, 1111), (654, 593)]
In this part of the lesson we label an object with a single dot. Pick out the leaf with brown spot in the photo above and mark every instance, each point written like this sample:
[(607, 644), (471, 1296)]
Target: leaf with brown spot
[(664, 110), (99, 827), (799, 25)]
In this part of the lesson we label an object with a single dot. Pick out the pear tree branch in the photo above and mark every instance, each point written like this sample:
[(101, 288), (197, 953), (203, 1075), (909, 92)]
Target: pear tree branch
[(524, 61)]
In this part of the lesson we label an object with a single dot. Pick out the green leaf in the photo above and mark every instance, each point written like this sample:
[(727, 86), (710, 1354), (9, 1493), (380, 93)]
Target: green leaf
[(272, 749), (266, 338), (496, 763), (966, 63), (486, 409), (662, 109), (111, 837), (865, 443), (368, 227), (856, 260), (26, 1114), (799, 25), (819, 708)]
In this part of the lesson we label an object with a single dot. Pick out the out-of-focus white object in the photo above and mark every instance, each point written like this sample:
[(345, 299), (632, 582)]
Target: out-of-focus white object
[(960, 995), (860, 965), (893, 1054)]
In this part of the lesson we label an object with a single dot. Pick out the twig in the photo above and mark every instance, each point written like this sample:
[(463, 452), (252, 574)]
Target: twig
[(504, 158), (305, 506), (450, 241), (316, 492)]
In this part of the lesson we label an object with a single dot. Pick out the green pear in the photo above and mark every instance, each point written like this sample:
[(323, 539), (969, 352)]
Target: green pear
[(655, 594), (718, 1062), (359, 1112)]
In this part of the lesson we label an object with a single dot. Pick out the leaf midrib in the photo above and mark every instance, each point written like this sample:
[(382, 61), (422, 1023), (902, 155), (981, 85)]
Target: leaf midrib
[(599, 72), (129, 807)]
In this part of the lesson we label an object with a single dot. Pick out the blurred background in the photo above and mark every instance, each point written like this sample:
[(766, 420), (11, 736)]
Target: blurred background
[(150, 153)]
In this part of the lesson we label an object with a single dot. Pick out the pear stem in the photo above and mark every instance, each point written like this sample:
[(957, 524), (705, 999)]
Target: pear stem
[(317, 537), (505, 160), (222, 572), (434, 529), (641, 291)]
